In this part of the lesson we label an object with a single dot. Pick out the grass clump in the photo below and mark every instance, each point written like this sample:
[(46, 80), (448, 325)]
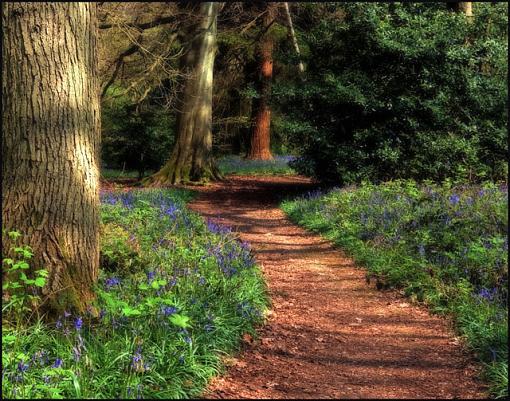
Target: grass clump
[(161, 321), (442, 245), (237, 165)]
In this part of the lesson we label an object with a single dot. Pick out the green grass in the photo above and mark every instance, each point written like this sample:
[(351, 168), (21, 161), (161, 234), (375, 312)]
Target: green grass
[(444, 246), (237, 165), (174, 295)]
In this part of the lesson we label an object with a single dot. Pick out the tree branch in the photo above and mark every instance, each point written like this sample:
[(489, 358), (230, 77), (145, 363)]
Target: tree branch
[(142, 25)]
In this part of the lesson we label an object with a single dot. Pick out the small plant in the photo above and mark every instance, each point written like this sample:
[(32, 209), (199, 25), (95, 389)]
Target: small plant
[(19, 291)]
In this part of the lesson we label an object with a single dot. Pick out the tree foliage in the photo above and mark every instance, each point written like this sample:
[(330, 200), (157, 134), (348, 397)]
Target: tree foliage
[(401, 90)]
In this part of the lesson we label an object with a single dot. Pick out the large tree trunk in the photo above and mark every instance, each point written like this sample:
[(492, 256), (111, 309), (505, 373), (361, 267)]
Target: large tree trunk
[(51, 139), (260, 146), (191, 159)]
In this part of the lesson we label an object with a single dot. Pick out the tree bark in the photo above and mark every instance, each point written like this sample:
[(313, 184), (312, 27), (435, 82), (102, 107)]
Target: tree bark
[(50, 144), (294, 38), (465, 7), (260, 144), (191, 159)]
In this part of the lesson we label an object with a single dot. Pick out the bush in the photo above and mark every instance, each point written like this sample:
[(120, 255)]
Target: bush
[(401, 90), (135, 137), (446, 246), (157, 331)]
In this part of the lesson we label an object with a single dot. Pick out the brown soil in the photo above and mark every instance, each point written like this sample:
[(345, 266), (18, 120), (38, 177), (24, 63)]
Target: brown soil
[(329, 334)]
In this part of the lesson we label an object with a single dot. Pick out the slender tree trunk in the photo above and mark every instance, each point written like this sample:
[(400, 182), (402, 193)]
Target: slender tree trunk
[(260, 146), (191, 159), (51, 139), (294, 39)]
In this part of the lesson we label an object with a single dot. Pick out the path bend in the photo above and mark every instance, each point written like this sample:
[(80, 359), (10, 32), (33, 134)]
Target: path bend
[(330, 334)]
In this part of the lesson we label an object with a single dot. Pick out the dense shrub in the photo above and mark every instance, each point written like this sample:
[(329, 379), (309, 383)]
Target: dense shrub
[(135, 137), (401, 90), (444, 245), (157, 330)]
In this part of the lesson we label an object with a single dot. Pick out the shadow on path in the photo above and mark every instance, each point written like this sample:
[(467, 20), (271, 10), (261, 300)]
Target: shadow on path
[(329, 334)]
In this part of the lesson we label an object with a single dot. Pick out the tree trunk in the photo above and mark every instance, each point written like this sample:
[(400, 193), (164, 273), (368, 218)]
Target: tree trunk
[(260, 147), (465, 7), (294, 38), (191, 159), (51, 139)]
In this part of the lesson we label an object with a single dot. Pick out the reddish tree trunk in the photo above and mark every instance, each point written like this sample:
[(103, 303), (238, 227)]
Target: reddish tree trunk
[(260, 144)]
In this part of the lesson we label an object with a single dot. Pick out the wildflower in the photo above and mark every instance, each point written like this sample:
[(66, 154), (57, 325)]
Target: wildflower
[(59, 324), (169, 310), (187, 340), (78, 323), (454, 199), (23, 367), (487, 294), (111, 282), (58, 363), (137, 363), (150, 276), (66, 314)]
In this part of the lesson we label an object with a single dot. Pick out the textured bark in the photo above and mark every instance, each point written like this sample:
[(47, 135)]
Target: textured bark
[(191, 159), (50, 144), (260, 146), (465, 7)]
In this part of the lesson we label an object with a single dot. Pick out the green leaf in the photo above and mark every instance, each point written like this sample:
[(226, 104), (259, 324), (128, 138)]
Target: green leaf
[(42, 273), (155, 285), (8, 339), (131, 312), (179, 320), (8, 261), (143, 287), (40, 281)]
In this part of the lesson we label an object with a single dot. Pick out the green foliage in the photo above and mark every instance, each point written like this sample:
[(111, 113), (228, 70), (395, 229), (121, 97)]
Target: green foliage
[(155, 331), (442, 245), (135, 137), (21, 285), (240, 166), (401, 90)]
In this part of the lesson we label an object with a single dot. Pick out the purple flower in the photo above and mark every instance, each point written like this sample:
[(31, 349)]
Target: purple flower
[(169, 310), (150, 276), (58, 363), (23, 367), (421, 250), (66, 314), (59, 324), (78, 323), (454, 199), (137, 363), (111, 282)]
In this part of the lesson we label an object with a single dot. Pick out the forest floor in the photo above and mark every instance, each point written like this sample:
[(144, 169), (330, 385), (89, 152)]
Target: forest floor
[(329, 334)]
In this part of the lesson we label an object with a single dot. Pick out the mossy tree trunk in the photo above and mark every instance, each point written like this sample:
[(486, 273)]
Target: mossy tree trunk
[(50, 144), (260, 143), (191, 159)]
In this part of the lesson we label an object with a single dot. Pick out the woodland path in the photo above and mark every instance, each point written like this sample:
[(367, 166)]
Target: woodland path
[(329, 334)]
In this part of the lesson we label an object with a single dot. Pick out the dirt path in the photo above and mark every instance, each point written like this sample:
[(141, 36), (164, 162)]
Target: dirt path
[(330, 334)]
